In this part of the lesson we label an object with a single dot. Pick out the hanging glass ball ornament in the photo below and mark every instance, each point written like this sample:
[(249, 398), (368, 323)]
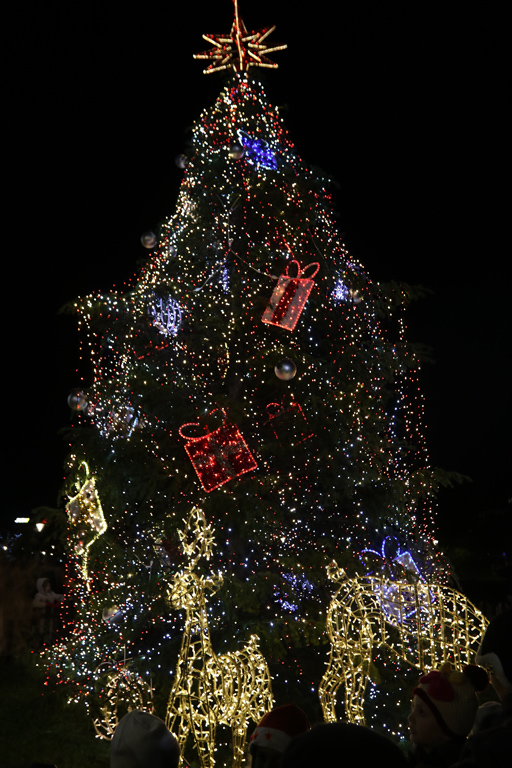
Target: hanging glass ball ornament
[(112, 614), (236, 151), (181, 161), (77, 401), (285, 369), (149, 240), (355, 295)]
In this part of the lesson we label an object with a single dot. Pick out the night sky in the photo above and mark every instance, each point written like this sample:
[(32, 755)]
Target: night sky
[(402, 103)]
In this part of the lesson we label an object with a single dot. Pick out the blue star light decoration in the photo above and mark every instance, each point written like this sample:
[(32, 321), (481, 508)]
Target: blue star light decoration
[(239, 50), (257, 151)]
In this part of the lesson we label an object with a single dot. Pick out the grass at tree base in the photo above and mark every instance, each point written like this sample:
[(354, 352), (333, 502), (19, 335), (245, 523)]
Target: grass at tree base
[(38, 726)]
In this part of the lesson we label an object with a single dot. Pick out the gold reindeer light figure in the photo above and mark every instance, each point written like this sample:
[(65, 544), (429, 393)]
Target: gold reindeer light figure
[(423, 624), (209, 689), (122, 690)]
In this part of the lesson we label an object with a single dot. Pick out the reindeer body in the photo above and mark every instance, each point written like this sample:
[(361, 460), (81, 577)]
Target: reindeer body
[(210, 689), (423, 624)]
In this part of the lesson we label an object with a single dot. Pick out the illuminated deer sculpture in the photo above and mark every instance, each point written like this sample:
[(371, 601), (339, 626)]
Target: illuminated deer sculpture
[(423, 624), (209, 689)]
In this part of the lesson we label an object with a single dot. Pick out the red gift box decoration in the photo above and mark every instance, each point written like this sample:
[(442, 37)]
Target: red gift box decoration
[(289, 297), (288, 422), (218, 456)]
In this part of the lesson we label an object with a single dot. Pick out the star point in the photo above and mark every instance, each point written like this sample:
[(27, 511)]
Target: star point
[(239, 50)]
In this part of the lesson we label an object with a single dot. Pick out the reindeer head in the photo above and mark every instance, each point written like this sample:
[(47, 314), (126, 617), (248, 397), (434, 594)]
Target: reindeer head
[(335, 573), (188, 589), (196, 539)]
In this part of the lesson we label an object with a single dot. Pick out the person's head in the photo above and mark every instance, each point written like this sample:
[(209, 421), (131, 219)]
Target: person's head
[(43, 585), (142, 740), (273, 734), (331, 744), (424, 728), (495, 653), (444, 705)]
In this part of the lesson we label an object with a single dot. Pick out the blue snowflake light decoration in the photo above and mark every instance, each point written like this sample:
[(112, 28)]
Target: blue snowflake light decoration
[(165, 315), (340, 292), (224, 279), (299, 587)]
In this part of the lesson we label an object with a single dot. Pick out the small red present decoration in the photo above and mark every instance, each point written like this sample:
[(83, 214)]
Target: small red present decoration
[(289, 297), (288, 422), (218, 456)]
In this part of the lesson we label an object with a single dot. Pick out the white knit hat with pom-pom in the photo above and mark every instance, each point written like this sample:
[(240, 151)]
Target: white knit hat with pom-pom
[(451, 696)]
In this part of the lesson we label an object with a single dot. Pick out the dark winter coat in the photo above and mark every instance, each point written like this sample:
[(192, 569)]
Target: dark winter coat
[(490, 747), (443, 756)]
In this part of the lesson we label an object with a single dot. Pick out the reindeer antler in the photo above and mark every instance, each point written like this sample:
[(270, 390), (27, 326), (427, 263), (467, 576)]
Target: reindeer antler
[(196, 539), (335, 572)]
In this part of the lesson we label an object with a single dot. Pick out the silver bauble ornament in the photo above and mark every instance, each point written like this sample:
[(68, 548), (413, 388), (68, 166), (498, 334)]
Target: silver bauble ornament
[(112, 614), (77, 401), (236, 151), (285, 369), (149, 240), (181, 161), (355, 295)]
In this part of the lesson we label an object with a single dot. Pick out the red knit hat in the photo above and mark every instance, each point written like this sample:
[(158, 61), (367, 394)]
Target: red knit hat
[(450, 696), (278, 727)]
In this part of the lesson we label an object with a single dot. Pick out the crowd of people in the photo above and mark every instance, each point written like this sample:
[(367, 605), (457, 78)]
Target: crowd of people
[(447, 727)]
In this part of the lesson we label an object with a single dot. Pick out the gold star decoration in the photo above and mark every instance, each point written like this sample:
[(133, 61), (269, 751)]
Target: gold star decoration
[(239, 49)]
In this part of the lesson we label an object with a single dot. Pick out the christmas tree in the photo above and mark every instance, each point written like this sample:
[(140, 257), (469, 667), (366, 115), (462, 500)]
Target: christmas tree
[(253, 413)]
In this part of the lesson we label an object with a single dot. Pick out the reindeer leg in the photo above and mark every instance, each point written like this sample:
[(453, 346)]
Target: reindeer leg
[(206, 754), (331, 681), (356, 679), (352, 712), (170, 715), (181, 733), (238, 732)]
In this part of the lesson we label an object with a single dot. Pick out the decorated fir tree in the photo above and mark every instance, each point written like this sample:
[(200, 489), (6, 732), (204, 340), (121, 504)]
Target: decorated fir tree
[(253, 413)]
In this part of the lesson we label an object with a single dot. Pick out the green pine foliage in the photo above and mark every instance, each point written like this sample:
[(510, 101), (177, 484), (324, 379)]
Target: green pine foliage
[(339, 448)]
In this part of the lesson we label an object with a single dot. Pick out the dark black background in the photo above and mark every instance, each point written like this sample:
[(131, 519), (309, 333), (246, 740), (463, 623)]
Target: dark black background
[(404, 104)]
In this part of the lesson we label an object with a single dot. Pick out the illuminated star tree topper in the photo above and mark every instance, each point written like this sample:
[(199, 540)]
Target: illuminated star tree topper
[(239, 49)]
